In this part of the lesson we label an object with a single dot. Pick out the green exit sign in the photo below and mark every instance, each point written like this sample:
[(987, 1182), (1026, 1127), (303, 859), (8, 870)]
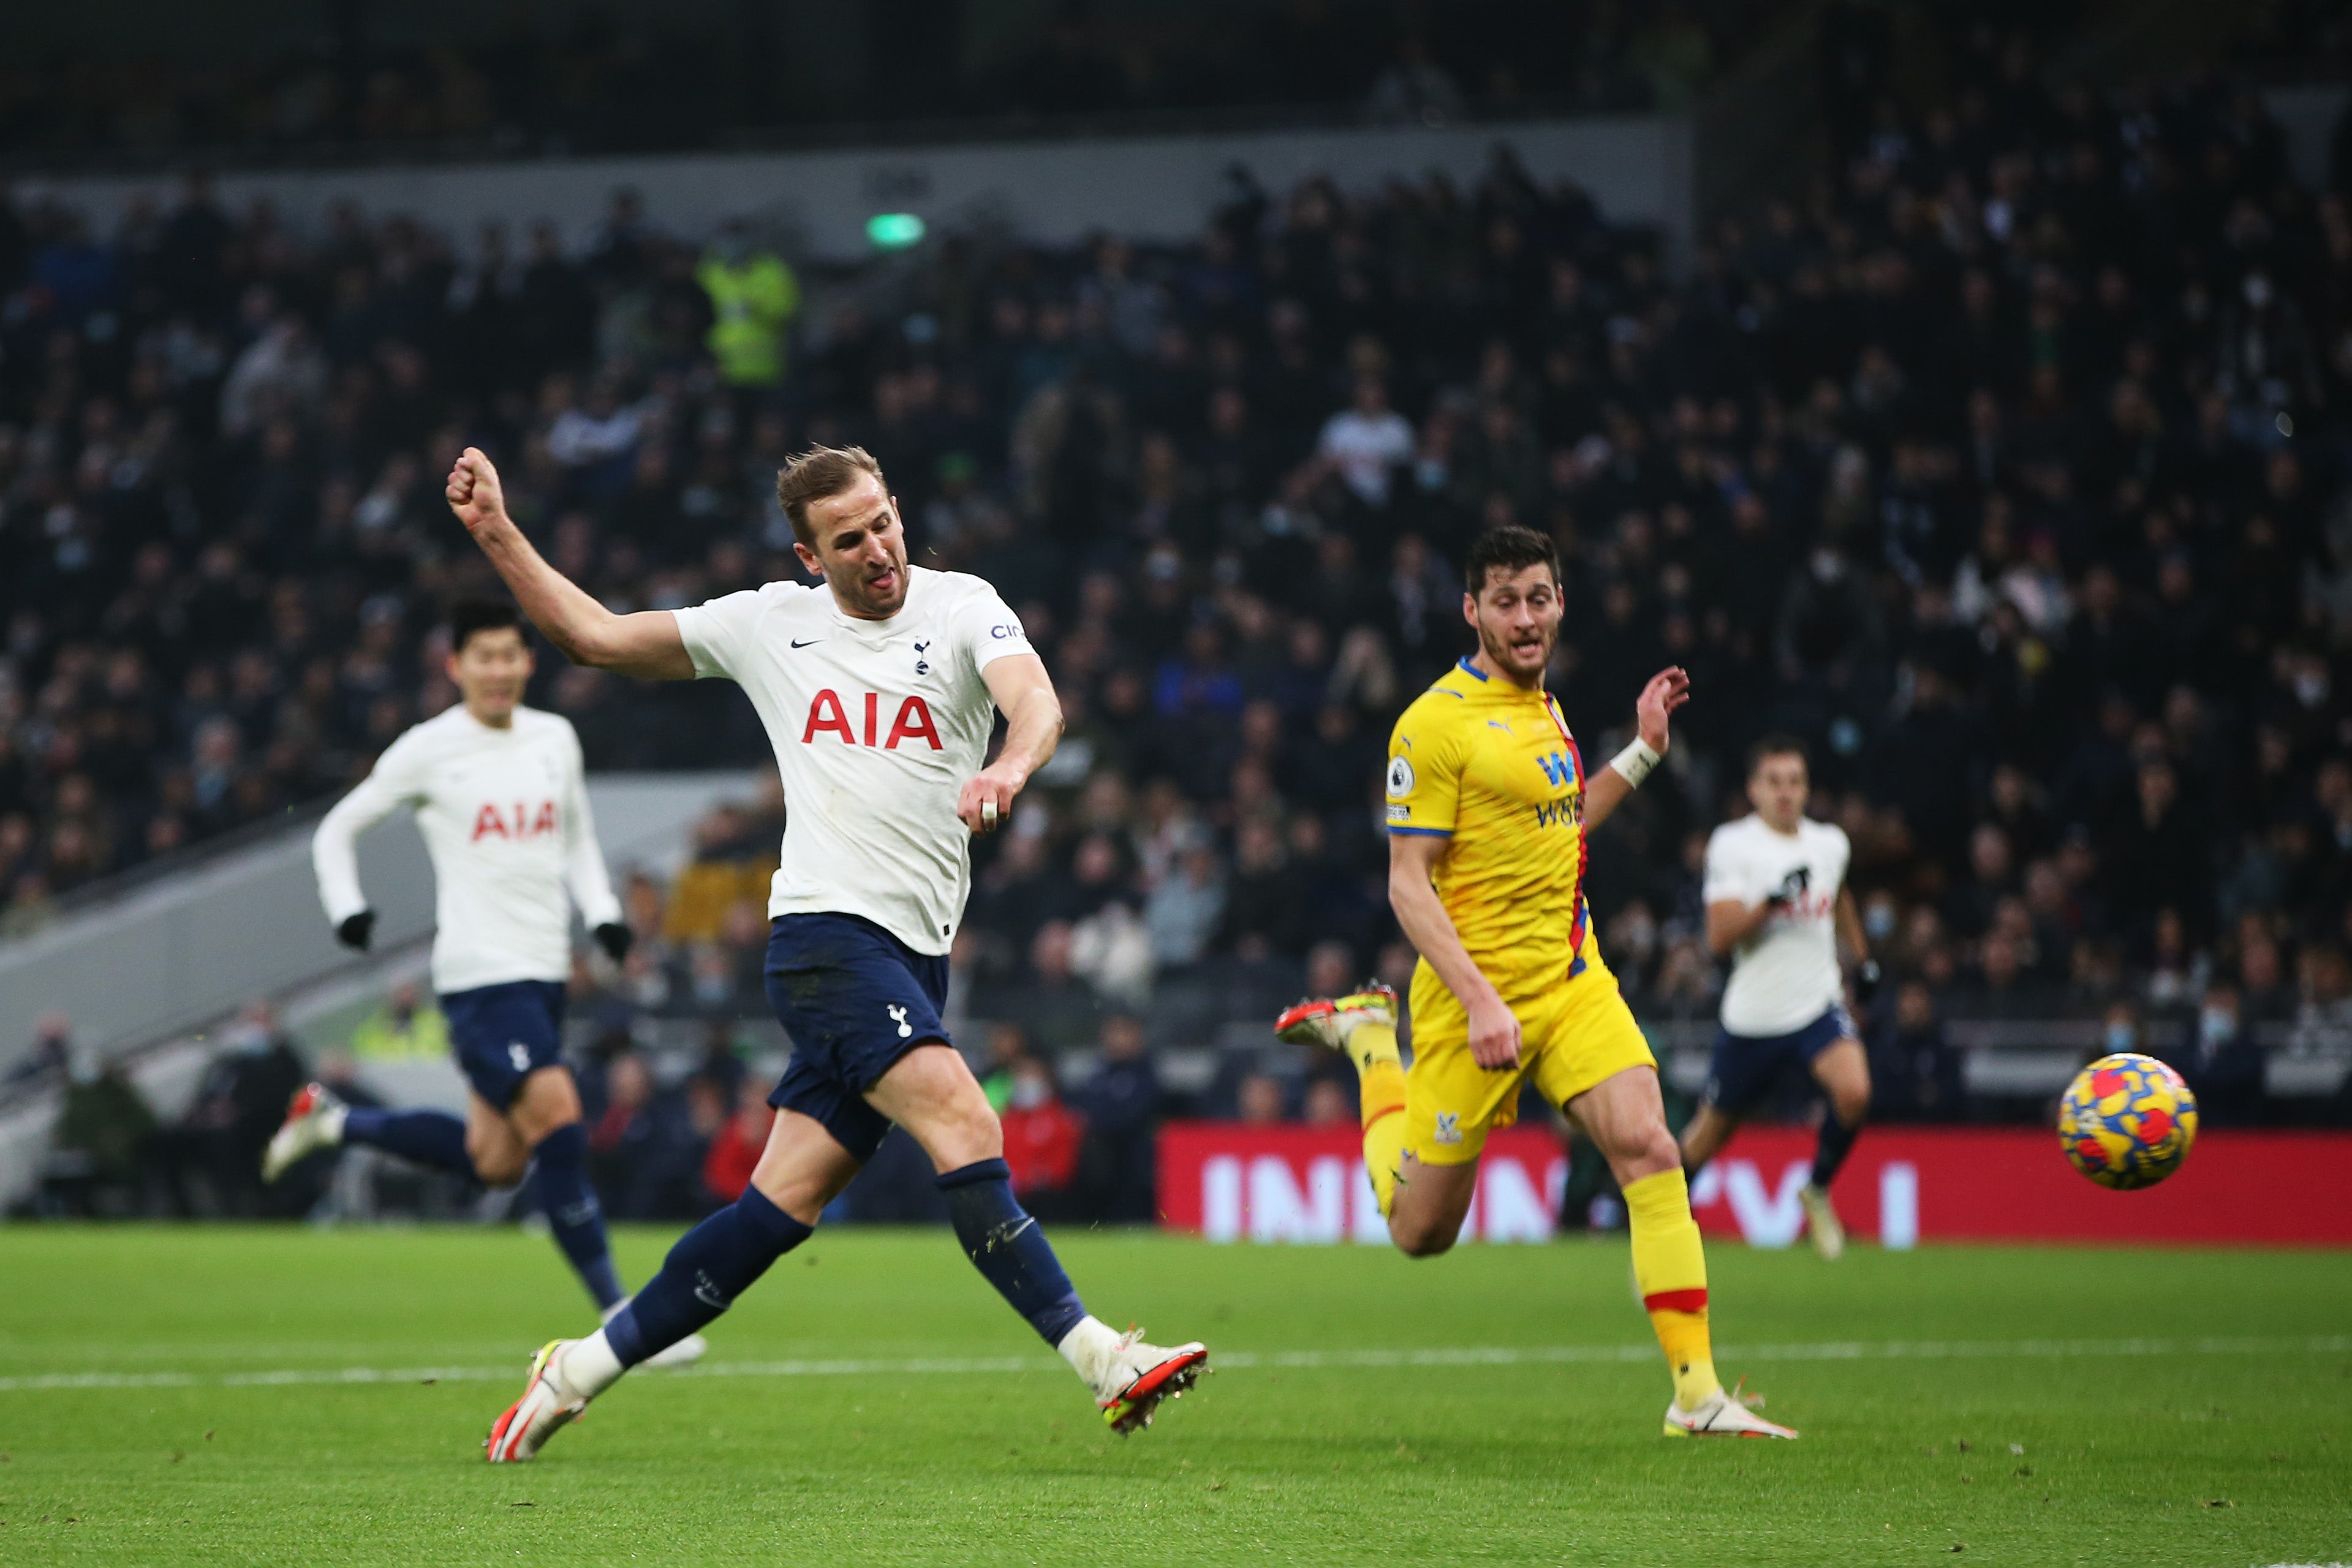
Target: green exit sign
[(893, 231)]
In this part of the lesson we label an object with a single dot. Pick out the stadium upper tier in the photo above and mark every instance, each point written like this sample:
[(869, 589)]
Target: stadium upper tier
[(2006, 472)]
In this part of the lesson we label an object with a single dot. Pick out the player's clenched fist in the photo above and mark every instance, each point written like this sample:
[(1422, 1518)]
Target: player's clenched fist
[(474, 491), (985, 802)]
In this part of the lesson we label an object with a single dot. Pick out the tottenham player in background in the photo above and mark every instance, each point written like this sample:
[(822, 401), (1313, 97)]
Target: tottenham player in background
[(502, 799), (1776, 903), (879, 688)]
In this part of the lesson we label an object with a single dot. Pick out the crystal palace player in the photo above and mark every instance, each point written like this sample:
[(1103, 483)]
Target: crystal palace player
[(501, 799), (1777, 902), (1487, 807), (880, 689)]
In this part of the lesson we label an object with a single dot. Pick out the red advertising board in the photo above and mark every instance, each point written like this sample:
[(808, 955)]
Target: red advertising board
[(1230, 1182)]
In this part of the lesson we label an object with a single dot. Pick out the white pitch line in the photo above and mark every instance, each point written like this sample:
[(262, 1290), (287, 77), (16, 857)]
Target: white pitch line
[(1539, 1356)]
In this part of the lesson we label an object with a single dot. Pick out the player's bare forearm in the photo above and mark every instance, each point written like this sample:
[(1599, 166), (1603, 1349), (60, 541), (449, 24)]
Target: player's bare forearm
[(1032, 728), (1420, 915), (1604, 791), (1423, 917), (1031, 731), (1729, 923), (1849, 928), (645, 644)]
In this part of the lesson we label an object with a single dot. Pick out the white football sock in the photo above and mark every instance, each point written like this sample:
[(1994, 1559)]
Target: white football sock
[(1089, 1348), (589, 1367)]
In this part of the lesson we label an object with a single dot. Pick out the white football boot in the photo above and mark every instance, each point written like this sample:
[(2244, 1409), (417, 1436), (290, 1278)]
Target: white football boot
[(1821, 1222), (1131, 1379), (1725, 1414), (685, 1352), (547, 1402), (314, 1121)]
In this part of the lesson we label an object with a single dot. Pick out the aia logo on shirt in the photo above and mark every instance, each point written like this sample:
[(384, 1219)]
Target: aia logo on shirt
[(913, 721), (529, 822)]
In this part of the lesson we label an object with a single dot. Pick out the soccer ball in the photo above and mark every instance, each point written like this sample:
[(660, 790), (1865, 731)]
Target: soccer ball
[(2127, 1121)]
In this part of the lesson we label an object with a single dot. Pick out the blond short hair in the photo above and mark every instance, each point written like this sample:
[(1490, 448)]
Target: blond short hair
[(817, 474)]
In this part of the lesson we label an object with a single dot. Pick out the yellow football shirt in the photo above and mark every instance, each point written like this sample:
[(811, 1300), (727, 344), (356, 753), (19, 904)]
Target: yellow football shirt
[(1492, 767)]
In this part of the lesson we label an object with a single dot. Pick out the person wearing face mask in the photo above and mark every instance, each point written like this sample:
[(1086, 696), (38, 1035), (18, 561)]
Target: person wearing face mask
[(2224, 1062), (1042, 1137)]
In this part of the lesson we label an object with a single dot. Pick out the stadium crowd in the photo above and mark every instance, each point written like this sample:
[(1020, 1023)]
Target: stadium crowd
[(2007, 469)]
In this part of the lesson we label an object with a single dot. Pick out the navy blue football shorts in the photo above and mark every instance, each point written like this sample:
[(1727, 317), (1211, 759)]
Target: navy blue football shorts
[(502, 1034), (855, 1000), (1746, 1066)]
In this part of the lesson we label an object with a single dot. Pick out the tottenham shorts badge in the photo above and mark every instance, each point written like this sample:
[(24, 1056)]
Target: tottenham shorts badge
[(1449, 1127), (899, 1017)]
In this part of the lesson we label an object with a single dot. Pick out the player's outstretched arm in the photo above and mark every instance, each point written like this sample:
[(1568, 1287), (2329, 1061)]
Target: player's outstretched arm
[(1605, 788), (335, 860), (1033, 728), (1412, 893), (645, 644)]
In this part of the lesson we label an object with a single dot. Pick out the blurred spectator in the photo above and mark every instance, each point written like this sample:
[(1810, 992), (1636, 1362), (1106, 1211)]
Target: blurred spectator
[(1329, 1103), (1367, 442), (401, 1029), (646, 1150), (2223, 1065), (736, 1147), (753, 297), (1120, 1104), (1008, 1046), (211, 1159), (100, 1151), (48, 1058), (1261, 1100), (1042, 1137), (1914, 1072), (622, 1128)]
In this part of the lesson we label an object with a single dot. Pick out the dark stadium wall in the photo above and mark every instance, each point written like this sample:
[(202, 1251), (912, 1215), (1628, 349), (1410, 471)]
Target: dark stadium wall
[(1638, 168)]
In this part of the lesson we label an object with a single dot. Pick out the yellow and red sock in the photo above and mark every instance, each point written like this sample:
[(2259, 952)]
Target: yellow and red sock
[(1670, 1267), (1381, 1083)]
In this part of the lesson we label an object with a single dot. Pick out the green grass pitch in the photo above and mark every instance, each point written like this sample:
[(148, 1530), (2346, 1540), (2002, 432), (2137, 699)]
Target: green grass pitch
[(2023, 1405)]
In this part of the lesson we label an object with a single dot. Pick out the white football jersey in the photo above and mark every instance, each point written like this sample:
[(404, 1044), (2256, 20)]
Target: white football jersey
[(505, 818), (1786, 975), (876, 725)]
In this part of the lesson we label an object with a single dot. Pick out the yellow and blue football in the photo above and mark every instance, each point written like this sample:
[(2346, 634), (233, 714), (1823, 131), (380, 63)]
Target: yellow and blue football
[(2127, 1121)]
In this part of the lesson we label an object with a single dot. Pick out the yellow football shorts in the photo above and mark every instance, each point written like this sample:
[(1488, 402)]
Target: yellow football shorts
[(1572, 1035)]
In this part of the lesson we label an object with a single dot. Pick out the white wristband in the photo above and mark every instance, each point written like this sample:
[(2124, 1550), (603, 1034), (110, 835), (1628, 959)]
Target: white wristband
[(1633, 763)]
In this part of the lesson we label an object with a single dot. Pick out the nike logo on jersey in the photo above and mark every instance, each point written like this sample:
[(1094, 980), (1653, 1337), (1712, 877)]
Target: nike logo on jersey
[(798, 643)]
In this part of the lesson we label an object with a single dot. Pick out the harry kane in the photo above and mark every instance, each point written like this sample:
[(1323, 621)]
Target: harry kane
[(880, 689)]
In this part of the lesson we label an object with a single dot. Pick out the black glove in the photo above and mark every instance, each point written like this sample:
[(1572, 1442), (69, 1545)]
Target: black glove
[(1792, 887), (356, 930), (1866, 979), (614, 938)]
